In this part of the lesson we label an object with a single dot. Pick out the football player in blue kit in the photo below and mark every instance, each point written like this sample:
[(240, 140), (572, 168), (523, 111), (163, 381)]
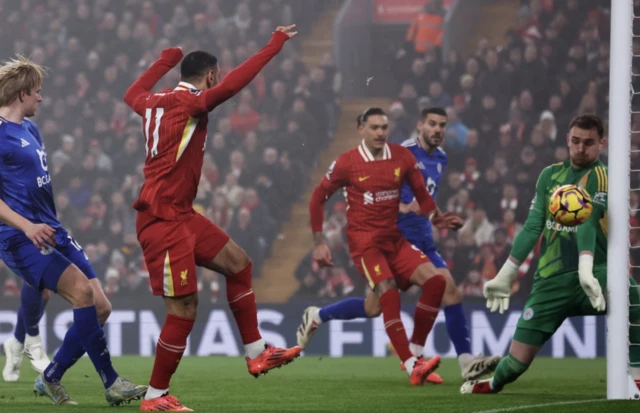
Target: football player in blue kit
[(416, 228), (35, 246)]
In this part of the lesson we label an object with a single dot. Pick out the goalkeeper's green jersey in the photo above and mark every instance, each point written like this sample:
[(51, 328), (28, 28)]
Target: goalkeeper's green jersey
[(561, 245)]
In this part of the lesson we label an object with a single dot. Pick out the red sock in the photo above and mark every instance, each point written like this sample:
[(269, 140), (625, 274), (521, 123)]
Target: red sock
[(242, 303), (427, 308), (390, 303), (171, 345)]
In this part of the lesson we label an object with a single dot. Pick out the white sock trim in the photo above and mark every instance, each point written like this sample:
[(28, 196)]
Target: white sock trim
[(253, 350), (153, 393), (409, 363), (416, 349), (464, 359)]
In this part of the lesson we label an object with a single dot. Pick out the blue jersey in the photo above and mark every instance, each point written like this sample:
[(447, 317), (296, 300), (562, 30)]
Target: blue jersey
[(417, 227), (25, 183)]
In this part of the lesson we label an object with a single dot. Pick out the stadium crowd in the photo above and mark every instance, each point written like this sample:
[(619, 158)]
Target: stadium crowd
[(260, 144), (509, 108)]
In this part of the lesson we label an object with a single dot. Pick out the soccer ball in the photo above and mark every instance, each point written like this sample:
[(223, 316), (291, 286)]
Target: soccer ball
[(570, 205)]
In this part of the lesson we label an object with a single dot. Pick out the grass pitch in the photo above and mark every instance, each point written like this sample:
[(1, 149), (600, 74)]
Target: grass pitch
[(315, 384)]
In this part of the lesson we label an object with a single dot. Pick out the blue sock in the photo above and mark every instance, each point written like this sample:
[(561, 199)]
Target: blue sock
[(30, 312), (93, 341), (19, 332), (457, 328), (70, 352), (32, 304), (347, 309)]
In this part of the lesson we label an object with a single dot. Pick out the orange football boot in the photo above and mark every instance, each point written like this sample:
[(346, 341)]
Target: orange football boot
[(271, 358), (423, 369), (166, 403), (433, 378)]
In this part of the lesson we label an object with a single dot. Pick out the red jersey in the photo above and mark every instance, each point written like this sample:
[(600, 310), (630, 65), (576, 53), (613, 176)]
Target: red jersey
[(373, 193), (175, 129)]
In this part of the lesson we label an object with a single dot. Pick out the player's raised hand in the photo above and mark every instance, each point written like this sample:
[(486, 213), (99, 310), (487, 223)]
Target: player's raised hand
[(448, 220), (42, 235), (173, 54), (322, 255), (287, 30)]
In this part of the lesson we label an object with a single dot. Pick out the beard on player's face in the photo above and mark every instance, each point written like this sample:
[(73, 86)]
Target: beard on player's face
[(433, 139)]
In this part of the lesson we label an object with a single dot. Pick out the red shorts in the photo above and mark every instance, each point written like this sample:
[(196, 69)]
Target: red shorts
[(390, 260), (172, 249)]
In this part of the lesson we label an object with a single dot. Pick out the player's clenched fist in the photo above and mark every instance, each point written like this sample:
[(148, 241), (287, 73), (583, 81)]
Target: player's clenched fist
[(173, 54), (287, 30), (41, 235), (322, 255)]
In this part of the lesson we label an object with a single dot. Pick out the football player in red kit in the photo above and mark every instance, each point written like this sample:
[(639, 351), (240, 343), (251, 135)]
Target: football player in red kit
[(373, 174), (174, 238)]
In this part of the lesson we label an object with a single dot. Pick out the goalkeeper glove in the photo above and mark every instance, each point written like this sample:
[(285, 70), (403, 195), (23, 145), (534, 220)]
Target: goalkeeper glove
[(498, 290), (589, 283)]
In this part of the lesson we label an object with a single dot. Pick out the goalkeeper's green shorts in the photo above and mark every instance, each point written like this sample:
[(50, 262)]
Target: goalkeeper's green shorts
[(551, 301)]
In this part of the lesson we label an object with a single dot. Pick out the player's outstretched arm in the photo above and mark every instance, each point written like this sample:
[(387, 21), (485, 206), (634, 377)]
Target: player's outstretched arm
[(240, 77), (335, 179), (141, 88), (40, 234), (498, 290), (534, 224)]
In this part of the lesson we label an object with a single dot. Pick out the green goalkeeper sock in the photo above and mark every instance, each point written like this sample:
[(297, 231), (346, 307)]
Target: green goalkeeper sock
[(508, 371), (634, 324)]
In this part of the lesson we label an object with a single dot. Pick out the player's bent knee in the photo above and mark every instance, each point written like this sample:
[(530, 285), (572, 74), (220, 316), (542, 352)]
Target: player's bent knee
[(103, 309), (437, 283), (451, 295), (230, 260), (384, 286), (74, 287), (184, 306), (372, 306)]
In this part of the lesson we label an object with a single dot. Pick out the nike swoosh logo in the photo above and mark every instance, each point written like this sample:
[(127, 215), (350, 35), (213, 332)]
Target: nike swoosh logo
[(363, 178)]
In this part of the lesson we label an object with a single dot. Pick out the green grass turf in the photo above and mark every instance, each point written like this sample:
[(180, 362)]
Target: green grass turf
[(314, 384)]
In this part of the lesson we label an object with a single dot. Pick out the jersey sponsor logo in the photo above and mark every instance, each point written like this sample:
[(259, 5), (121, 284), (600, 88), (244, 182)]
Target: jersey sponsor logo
[(387, 195), (363, 178), (396, 173), (554, 226), (527, 314), (24, 143), (43, 180), (368, 198), (196, 92), (330, 171), (600, 198)]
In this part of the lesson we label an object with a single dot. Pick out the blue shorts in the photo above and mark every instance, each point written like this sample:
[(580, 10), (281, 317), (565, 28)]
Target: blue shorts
[(430, 250), (42, 268)]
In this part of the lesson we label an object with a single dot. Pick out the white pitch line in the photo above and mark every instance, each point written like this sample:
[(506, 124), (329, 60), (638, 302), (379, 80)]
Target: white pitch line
[(535, 406)]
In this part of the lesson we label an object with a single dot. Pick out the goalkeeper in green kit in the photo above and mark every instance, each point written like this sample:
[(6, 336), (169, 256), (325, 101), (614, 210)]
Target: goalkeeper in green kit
[(572, 269)]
